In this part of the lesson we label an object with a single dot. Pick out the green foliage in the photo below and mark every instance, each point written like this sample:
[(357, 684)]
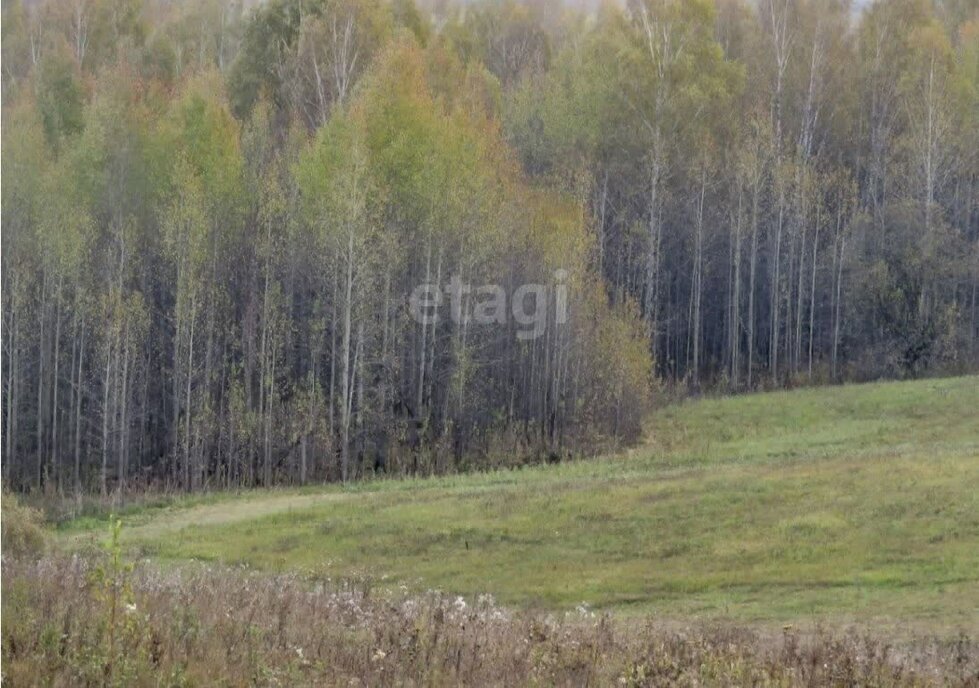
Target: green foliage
[(327, 42), (118, 651), (329, 172), (406, 14), (508, 37), (674, 74), (60, 99), (207, 134), (274, 28)]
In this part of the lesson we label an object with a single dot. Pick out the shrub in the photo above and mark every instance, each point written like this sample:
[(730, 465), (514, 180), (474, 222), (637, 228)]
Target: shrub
[(22, 528)]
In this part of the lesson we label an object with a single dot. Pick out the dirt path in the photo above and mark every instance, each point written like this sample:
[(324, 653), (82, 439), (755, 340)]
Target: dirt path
[(173, 519)]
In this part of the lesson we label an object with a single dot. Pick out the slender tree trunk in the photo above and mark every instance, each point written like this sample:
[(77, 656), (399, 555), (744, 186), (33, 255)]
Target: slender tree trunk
[(347, 389), (176, 384), (78, 413), (333, 361), (735, 342), (651, 309), (189, 480), (267, 461), (40, 387), (106, 381), (837, 314), (799, 295), (752, 276), (972, 328), (358, 371), (124, 417), (55, 456), (812, 295), (265, 383), (776, 292), (10, 402), (697, 281), (433, 342), (302, 458), (602, 207), (423, 349)]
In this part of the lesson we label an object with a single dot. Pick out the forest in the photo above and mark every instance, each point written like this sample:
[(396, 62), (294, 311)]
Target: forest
[(214, 214)]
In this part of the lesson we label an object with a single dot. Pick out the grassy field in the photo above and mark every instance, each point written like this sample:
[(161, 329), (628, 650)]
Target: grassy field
[(840, 503)]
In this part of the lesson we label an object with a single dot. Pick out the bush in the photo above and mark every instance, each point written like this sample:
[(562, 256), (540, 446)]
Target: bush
[(22, 528)]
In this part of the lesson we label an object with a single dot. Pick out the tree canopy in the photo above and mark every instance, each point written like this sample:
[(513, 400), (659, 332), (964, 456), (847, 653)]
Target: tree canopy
[(215, 218)]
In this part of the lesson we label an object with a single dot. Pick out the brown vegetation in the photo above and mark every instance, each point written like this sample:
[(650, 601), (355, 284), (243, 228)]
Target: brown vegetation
[(95, 621), (21, 526)]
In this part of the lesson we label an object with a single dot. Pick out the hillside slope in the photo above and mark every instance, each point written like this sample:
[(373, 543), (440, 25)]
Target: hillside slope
[(844, 503)]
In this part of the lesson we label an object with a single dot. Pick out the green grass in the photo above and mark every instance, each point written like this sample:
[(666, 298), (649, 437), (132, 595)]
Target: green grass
[(839, 503)]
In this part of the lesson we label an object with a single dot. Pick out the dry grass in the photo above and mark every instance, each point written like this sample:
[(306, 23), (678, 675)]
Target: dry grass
[(85, 621), (21, 527)]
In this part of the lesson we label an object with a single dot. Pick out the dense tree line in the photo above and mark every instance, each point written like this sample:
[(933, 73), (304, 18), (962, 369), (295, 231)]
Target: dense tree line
[(787, 187), (214, 215), (211, 229)]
